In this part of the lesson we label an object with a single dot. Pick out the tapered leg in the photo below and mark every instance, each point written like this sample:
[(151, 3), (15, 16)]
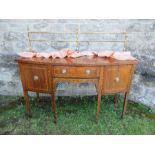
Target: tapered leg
[(115, 99), (125, 103), (98, 106), (27, 103), (38, 98), (96, 85), (54, 108)]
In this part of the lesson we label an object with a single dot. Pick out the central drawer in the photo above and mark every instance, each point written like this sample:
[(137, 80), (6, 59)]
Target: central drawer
[(76, 72)]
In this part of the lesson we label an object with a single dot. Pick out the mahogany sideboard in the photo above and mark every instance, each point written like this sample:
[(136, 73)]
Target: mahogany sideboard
[(110, 76)]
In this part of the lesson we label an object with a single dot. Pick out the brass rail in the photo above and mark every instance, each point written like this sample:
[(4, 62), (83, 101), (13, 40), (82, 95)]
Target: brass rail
[(77, 41)]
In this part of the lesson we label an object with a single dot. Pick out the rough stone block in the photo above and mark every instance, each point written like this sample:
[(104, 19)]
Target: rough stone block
[(70, 21), (57, 27), (71, 27), (2, 83), (90, 28), (13, 36), (41, 25)]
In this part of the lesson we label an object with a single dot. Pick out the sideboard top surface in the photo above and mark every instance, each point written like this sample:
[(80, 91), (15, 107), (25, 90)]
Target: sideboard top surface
[(81, 61)]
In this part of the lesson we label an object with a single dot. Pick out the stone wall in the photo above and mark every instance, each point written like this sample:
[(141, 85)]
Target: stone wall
[(141, 36)]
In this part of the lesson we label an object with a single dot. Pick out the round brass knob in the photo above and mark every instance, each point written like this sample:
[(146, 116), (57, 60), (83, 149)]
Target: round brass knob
[(117, 79), (64, 71), (35, 77), (87, 71)]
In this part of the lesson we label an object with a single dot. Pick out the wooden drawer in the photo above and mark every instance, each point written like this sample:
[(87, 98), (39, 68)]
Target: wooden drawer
[(79, 72), (35, 77), (116, 78)]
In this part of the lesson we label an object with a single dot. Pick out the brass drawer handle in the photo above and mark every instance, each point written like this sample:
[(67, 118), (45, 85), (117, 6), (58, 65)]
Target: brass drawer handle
[(35, 77), (117, 79), (87, 71), (64, 71)]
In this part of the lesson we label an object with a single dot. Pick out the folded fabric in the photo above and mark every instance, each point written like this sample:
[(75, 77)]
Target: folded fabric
[(105, 53), (75, 54), (27, 54), (44, 55), (68, 52), (58, 54), (65, 53), (122, 56), (89, 53)]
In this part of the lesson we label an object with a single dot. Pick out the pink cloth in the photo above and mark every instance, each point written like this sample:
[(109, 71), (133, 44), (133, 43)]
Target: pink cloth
[(122, 56), (105, 53), (27, 54), (44, 55), (74, 54), (89, 53), (58, 54), (119, 55)]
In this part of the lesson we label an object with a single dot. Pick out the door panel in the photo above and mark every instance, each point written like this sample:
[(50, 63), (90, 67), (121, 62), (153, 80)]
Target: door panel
[(36, 77), (116, 78)]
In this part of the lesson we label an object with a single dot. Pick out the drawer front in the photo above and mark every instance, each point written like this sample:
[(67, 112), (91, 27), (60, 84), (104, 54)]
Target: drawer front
[(116, 78), (79, 72), (36, 77)]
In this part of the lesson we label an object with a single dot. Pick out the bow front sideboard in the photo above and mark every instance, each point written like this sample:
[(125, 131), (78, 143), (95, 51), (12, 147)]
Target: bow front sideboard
[(42, 75)]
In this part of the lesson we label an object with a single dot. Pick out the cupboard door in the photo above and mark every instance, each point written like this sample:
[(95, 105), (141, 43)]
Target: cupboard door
[(36, 77), (116, 78)]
